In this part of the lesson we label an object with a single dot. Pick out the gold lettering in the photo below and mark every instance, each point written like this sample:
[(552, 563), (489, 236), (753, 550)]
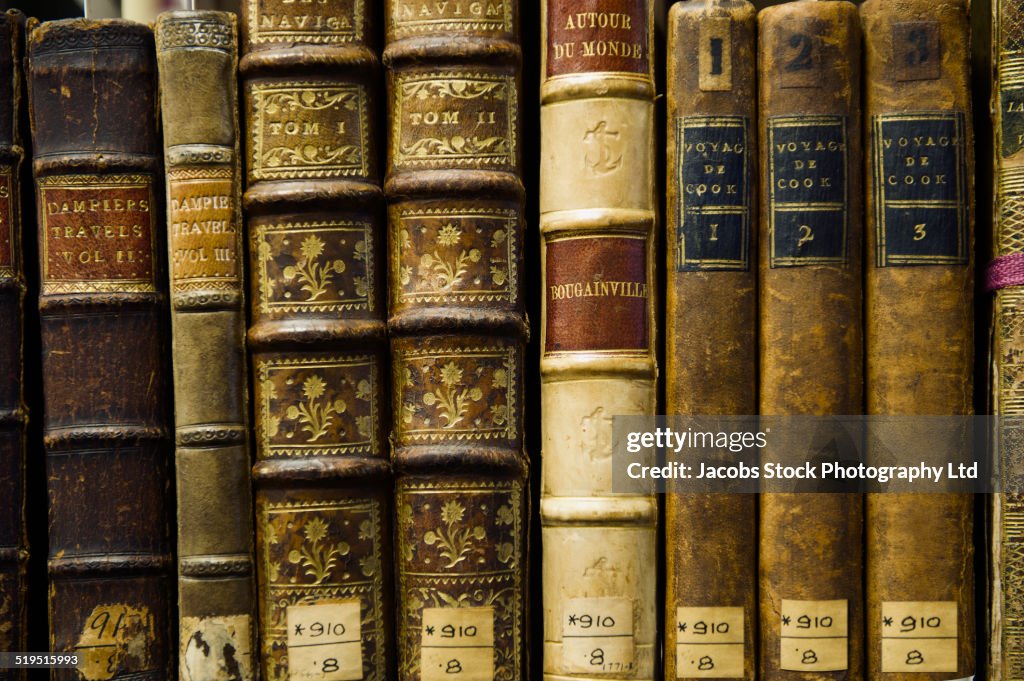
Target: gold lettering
[(612, 20), (612, 48), (598, 289), (434, 118)]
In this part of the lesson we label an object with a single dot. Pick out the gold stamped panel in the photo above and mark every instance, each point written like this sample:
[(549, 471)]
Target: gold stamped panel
[(456, 389), (461, 254), (424, 17), (317, 405), (454, 119), (202, 229), (99, 234), (316, 551), (308, 130), (319, 22), (314, 267), (9, 242), (460, 546)]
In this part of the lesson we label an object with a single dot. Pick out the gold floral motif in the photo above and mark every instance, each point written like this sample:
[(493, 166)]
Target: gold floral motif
[(506, 554), (456, 145), (454, 543), (456, 88), (454, 255), (369, 565), (449, 271), (360, 251), (314, 274), (314, 266), (311, 100), (314, 415), (316, 559), (452, 399), (310, 155)]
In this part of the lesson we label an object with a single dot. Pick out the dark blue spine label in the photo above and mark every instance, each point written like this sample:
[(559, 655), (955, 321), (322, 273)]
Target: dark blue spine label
[(920, 189), (807, 193), (713, 210), (1011, 103)]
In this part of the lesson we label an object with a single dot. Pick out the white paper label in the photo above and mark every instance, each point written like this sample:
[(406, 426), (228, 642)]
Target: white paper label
[(215, 648), (814, 636), (325, 641), (709, 643), (457, 644), (919, 636), (597, 635)]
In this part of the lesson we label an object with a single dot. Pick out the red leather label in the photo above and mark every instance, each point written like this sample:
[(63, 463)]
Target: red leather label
[(595, 36), (597, 294)]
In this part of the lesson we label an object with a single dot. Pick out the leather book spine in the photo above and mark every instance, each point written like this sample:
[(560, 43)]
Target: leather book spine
[(314, 206), (458, 331), (919, 325), (811, 333), (1006, 592), (197, 56), (13, 289), (98, 173), (598, 221), (711, 324)]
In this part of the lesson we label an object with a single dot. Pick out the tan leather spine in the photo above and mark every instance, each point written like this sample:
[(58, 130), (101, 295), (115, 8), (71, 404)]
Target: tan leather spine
[(598, 218), (811, 339), (311, 86), (919, 314), (197, 58), (1006, 591), (458, 328), (711, 313)]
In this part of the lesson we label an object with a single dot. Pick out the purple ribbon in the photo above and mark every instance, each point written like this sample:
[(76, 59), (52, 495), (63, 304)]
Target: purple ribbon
[(1006, 270)]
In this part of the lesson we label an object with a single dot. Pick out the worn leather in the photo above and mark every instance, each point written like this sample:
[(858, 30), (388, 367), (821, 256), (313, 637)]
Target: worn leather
[(92, 88), (317, 337), (458, 331), (13, 408), (598, 220), (1006, 588), (197, 55), (811, 339), (711, 308), (920, 327)]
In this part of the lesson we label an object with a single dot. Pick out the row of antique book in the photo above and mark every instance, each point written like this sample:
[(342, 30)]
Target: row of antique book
[(383, 527)]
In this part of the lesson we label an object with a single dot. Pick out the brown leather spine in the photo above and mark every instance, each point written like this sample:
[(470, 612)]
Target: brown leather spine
[(711, 308), (197, 54), (919, 290), (317, 341), (811, 333), (13, 408), (1006, 589), (92, 87), (458, 325)]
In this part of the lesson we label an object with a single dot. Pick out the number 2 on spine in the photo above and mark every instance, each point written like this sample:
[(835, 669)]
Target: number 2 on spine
[(803, 60), (920, 54)]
